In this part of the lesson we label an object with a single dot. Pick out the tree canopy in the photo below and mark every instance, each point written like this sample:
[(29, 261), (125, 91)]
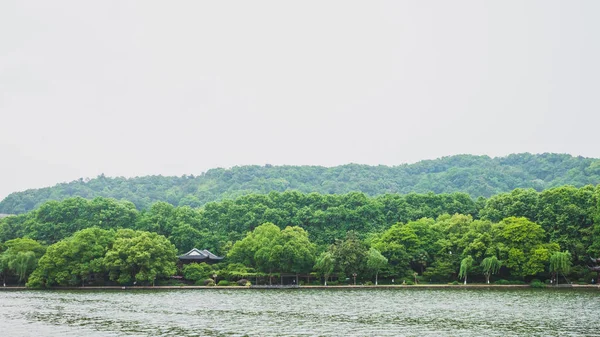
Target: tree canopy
[(475, 175), (106, 240)]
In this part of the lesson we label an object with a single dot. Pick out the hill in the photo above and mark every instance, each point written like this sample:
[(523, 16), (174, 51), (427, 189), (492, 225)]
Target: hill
[(479, 176)]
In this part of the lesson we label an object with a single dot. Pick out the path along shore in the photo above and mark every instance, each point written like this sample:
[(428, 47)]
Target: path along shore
[(418, 286)]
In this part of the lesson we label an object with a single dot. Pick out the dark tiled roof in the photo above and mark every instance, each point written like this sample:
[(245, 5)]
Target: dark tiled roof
[(196, 254)]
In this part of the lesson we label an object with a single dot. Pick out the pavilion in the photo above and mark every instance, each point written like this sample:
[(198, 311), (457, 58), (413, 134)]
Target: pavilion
[(199, 256)]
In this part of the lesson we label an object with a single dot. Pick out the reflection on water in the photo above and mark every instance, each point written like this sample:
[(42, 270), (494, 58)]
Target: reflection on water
[(302, 312)]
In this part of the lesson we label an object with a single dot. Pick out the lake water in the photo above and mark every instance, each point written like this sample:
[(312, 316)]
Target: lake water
[(302, 312)]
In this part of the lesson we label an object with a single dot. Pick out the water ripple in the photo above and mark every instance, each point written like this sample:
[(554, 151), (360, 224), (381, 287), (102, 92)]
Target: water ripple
[(304, 312)]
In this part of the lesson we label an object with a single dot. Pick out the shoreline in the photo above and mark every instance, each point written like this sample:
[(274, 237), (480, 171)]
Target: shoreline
[(345, 287)]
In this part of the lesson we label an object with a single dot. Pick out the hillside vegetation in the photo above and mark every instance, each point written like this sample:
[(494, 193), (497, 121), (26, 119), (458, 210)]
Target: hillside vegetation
[(520, 236), (474, 175)]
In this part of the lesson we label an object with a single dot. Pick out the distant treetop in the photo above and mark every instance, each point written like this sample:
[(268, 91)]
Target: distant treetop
[(476, 175)]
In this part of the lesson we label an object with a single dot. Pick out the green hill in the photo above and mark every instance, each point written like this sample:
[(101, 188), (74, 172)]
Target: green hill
[(475, 175)]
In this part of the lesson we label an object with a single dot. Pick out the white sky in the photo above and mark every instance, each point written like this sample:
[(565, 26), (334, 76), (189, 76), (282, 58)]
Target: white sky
[(130, 88)]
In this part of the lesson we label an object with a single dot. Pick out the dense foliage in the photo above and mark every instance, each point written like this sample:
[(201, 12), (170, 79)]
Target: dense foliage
[(95, 254), (520, 235), (474, 175)]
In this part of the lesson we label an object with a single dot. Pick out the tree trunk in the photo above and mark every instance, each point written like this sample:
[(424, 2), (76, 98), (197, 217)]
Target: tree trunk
[(376, 277), (297, 281), (465, 278), (487, 278), (326, 277)]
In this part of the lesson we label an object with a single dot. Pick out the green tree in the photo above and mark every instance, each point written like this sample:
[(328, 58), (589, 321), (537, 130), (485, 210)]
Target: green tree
[(269, 249), (74, 260), (350, 255), (490, 266), (520, 243), (198, 271), (376, 262), (260, 249), (325, 265), (138, 256), (465, 266), (297, 252), (20, 258), (560, 263), (23, 264)]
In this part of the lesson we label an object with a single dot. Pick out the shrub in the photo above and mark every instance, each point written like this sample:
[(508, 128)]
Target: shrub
[(333, 283), (455, 283), (169, 283), (505, 282), (537, 284), (223, 283), (242, 283), (197, 271), (368, 283), (208, 282), (409, 283)]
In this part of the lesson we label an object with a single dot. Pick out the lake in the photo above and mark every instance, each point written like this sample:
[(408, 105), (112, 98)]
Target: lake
[(302, 312)]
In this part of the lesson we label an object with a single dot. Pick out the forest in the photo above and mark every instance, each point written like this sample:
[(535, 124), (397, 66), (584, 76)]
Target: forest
[(474, 175), (517, 237)]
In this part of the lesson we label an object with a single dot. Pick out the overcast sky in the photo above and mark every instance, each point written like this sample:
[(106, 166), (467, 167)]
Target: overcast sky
[(130, 88)]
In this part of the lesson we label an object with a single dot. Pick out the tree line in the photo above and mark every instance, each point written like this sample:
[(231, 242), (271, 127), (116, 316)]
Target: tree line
[(474, 175), (415, 237)]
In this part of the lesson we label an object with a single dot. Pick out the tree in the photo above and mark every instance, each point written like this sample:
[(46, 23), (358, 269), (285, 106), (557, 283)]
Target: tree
[(399, 244), (350, 255), (198, 271), (560, 263), (325, 264), (297, 252), (465, 266), (160, 218), (375, 262), (138, 256), (56, 220), (260, 249), (20, 258), (490, 266), (519, 202), (74, 260), (269, 249), (23, 264), (520, 244)]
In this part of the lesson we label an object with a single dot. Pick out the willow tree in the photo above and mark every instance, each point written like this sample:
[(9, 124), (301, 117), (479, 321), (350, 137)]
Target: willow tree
[(490, 265), (23, 264), (20, 258), (325, 264), (376, 262), (465, 266), (560, 262)]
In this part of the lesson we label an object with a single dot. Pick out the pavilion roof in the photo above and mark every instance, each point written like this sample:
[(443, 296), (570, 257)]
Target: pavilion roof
[(197, 254)]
